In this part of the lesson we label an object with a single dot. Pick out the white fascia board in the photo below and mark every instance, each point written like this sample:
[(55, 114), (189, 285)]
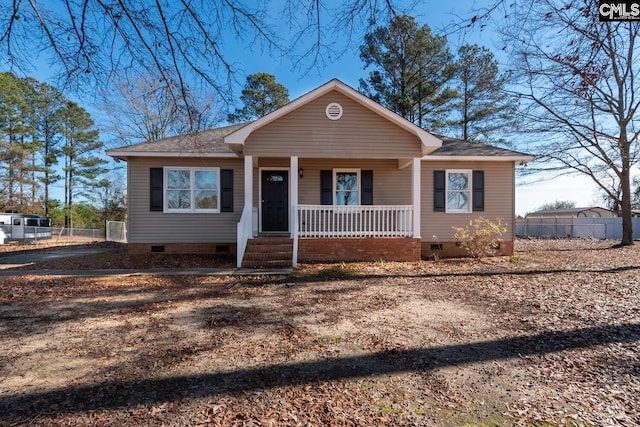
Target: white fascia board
[(427, 140), (125, 154), (524, 159)]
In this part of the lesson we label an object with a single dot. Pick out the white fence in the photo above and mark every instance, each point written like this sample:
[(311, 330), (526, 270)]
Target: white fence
[(80, 235), (116, 231), (355, 221), (24, 233), (597, 228)]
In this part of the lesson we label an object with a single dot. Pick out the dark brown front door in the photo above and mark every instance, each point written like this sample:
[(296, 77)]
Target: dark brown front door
[(275, 200)]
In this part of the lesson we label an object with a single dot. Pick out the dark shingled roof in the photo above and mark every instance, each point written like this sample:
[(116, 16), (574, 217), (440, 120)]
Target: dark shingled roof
[(205, 142), (212, 142), (459, 147)]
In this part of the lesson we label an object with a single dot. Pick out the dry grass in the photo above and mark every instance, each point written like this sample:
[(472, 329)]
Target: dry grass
[(551, 335)]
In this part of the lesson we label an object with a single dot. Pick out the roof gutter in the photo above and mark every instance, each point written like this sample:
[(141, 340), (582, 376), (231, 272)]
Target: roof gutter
[(522, 159)]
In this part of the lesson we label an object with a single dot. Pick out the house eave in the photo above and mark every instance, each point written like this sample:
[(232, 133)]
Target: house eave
[(123, 155), (521, 159)]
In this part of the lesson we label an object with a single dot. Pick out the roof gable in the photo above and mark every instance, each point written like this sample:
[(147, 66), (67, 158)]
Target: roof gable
[(429, 142)]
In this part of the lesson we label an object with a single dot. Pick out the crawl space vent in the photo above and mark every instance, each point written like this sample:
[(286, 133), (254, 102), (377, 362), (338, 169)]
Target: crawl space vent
[(333, 111)]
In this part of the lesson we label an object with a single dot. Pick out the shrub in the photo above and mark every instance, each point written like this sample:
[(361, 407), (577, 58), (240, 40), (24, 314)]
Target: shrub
[(482, 237)]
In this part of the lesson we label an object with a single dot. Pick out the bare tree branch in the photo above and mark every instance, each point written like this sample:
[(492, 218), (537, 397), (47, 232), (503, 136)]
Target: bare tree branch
[(98, 42), (580, 100)]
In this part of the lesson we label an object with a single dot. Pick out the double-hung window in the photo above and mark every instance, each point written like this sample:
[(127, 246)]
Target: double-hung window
[(346, 187), (458, 190), (189, 189)]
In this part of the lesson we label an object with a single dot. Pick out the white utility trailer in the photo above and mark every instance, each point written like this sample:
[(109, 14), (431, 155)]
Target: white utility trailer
[(20, 227)]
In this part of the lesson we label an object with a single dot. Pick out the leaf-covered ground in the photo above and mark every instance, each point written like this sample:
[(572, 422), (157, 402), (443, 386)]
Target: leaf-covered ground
[(551, 335)]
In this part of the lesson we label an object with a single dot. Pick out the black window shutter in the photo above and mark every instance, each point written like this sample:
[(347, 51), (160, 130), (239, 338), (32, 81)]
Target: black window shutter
[(439, 191), (155, 195), (366, 180), (326, 187), (226, 185), (478, 191)]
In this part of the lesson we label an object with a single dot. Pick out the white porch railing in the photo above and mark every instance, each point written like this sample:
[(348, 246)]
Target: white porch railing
[(354, 221), (244, 233)]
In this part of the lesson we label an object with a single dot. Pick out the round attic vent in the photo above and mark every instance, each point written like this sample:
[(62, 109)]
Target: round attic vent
[(333, 111)]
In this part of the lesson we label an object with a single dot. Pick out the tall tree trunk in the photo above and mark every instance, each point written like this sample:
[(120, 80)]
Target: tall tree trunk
[(627, 225), (66, 191), (11, 172), (46, 175), (625, 187), (33, 179)]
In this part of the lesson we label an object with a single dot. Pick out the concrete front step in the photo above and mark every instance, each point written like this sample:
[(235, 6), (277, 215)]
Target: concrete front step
[(268, 252)]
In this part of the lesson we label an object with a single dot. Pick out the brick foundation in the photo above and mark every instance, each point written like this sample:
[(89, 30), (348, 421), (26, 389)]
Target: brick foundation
[(453, 250), (181, 248), (358, 249), (331, 250)]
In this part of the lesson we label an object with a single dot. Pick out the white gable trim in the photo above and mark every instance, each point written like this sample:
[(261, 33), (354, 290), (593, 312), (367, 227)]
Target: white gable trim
[(429, 142)]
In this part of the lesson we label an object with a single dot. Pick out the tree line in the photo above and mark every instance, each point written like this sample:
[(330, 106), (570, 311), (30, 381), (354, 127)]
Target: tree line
[(415, 74), (577, 108), (573, 100), (46, 140)]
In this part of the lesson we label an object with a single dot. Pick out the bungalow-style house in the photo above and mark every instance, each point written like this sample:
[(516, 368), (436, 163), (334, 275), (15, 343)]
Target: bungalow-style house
[(331, 176)]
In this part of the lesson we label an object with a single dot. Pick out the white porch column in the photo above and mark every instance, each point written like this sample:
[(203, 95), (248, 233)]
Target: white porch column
[(248, 183), (415, 196), (293, 208), (293, 199)]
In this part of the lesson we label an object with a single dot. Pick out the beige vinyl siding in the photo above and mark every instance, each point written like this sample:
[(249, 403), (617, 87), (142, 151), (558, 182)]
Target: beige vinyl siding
[(391, 186), (307, 132), (159, 227), (498, 199)]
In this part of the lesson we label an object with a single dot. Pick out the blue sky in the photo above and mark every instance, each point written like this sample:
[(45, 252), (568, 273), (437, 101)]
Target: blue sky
[(439, 15), (531, 192)]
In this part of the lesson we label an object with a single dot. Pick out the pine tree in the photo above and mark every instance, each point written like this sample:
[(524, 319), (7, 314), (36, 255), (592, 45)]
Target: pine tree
[(413, 71), (261, 95), (14, 111), (50, 102), (483, 106), (81, 164)]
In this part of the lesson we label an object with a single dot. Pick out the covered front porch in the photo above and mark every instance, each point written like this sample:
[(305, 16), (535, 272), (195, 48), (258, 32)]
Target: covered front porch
[(333, 209)]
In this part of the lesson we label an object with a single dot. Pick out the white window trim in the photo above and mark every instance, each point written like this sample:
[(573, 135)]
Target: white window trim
[(359, 184), (469, 173), (192, 170)]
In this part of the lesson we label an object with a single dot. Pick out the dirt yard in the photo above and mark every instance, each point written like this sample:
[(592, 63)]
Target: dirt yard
[(550, 336)]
